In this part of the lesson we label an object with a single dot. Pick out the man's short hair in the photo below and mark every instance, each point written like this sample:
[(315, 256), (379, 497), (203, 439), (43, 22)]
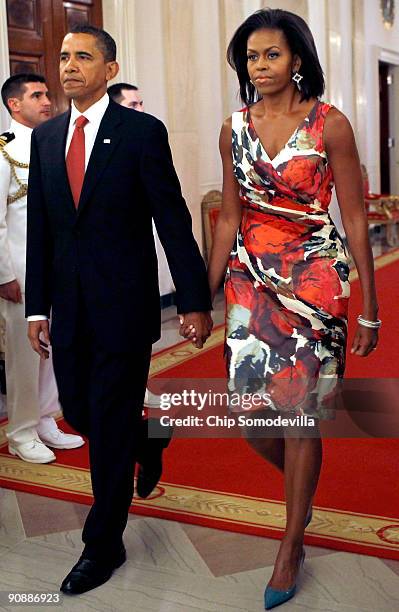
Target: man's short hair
[(105, 42), (14, 86), (115, 91)]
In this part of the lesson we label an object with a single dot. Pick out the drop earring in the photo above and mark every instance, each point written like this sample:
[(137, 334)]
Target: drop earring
[(297, 78)]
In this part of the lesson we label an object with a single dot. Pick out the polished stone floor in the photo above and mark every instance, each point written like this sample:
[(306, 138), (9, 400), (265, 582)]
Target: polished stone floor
[(176, 567)]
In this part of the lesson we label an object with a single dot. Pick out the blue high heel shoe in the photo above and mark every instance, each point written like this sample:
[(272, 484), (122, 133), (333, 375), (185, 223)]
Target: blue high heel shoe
[(276, 597)]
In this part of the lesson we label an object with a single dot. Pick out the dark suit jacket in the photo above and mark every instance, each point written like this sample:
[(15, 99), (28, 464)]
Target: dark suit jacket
[(106, 247)]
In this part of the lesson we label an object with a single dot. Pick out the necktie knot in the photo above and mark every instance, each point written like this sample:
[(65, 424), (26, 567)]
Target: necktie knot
[(81, 121)]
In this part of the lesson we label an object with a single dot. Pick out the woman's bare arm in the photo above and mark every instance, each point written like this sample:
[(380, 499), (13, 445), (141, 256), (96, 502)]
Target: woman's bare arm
[(230, 214), (344, 161)]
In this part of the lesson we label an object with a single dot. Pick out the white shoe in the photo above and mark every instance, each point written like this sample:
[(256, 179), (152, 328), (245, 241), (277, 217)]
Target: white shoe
[(33, 451), (151, 400), (58, 439)]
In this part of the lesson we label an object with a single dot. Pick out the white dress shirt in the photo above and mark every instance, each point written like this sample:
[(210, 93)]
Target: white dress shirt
[(94, 115)]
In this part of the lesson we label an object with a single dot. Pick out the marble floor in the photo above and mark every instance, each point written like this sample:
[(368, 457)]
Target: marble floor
[(176, 567)]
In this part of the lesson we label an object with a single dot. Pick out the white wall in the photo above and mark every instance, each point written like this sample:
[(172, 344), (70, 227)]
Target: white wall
[(138, 31), (150, 62), (150, 68), (119, 21), (208, 93), (317, 22), (338, 73)]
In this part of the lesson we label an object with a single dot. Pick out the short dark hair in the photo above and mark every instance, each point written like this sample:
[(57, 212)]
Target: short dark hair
[(14, 86), (115, 91), (105, 42), (300, 41)]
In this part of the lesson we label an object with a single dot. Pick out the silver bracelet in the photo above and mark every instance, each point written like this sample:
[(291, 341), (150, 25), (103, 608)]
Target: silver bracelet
[(366, 323)]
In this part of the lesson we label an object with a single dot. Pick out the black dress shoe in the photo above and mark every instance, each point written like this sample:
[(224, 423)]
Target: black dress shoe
[(88, 574), (148, 476)]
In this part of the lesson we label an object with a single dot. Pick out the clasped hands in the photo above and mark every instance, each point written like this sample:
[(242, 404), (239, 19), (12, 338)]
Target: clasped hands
[(196, 326)]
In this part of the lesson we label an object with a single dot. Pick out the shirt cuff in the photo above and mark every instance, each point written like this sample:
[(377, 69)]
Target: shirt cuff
[(36, 318)]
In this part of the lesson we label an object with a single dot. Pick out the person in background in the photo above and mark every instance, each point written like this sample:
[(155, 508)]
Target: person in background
[(126, 95), (32, 395), (129, 96)]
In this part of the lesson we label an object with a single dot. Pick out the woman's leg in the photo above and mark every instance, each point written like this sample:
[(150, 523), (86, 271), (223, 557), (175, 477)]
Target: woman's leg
[(271, 449), (267, 442), (298, 456), (302, 463)]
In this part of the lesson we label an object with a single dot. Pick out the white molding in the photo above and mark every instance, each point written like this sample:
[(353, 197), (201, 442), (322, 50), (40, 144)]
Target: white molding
[(4, 62), (149, 37), (388, 56), (317, 22)]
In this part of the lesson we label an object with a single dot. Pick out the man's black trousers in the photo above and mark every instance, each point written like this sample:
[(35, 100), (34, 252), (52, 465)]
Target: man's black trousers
[(101, 393)]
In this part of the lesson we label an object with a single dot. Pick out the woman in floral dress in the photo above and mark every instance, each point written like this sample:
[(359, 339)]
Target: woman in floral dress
[(287, 283)]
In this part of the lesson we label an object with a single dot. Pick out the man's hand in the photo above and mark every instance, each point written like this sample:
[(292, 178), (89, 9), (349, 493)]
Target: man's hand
[(11, 291), (196, 326), (39, 344)]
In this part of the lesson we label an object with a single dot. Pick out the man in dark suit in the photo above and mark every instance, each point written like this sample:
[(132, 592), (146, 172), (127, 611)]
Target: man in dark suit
[(98, 176)]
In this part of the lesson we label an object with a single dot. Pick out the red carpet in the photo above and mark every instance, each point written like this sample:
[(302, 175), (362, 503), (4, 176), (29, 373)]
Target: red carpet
[(224, 484)]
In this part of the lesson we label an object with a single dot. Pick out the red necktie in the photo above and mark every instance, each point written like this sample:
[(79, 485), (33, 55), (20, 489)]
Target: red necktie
[(75, 160)]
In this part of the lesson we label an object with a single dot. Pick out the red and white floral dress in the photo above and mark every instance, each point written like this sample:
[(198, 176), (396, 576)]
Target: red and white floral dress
[(287, 285)]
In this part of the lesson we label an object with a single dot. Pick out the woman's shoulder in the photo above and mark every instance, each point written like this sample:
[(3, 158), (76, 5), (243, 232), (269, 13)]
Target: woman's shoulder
[(337, 127), (332, 112), (227, 124), (334, 118)]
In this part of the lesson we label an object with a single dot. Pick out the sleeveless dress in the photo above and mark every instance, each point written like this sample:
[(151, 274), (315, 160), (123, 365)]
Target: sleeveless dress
[(286, 285)]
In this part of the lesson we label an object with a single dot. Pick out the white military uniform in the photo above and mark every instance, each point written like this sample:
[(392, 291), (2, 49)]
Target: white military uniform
[(32, 394)]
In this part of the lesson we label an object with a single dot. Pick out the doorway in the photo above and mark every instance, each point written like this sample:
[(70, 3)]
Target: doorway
[(389, 127), (35, 32), (384, 78)]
